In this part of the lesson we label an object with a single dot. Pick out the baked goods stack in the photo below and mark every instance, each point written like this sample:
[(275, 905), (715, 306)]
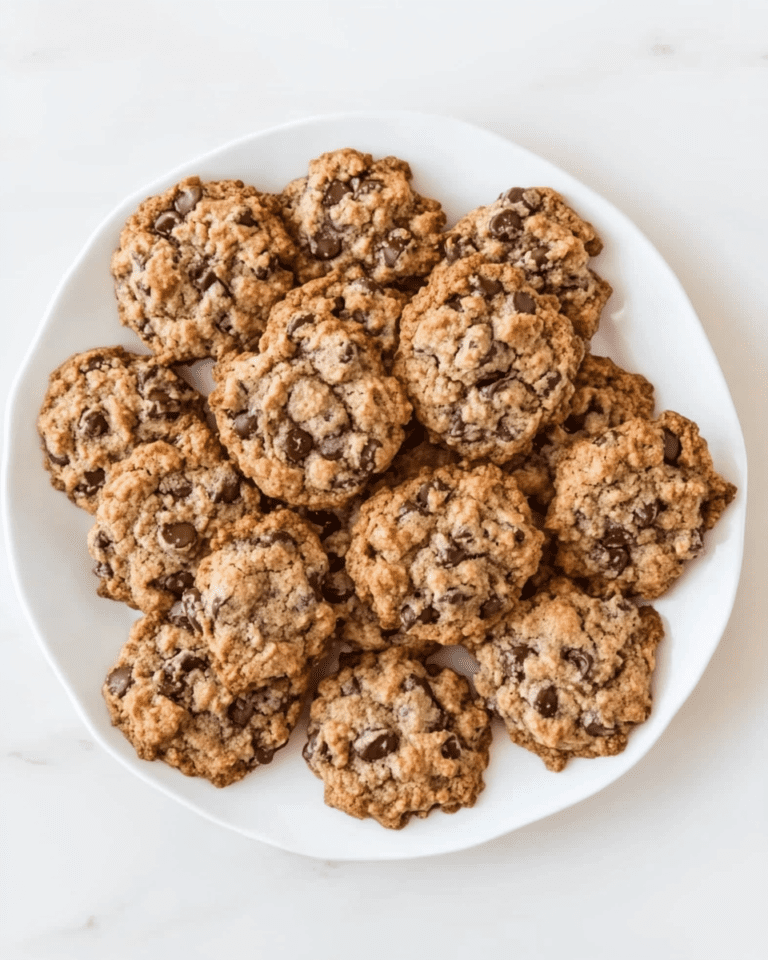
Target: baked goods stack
[(409, 446)]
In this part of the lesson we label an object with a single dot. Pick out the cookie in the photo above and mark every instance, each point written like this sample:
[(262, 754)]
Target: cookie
[(632, 505), (257, 600), (392, 739), (605, 396), (535, 230), (100, 405), (199, 267), (352, 297), (445, 555), (312, 416), (167, 699), (158, 514), (353, 210), (486, 361), (569, 674)]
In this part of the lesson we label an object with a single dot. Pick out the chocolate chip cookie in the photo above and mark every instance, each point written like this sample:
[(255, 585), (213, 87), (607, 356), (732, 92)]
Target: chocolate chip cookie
[(99, 406), (165, 696), (199, 267), (535, 230), (158, 515), (487, 362), (257, 600), (352, 297), (392, 739), (354, 210), (443, 556), (569, 674), (312, 416), (632, 505)]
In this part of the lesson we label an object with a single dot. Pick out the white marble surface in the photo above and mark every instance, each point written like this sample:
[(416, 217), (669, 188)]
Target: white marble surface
[(662, 108)]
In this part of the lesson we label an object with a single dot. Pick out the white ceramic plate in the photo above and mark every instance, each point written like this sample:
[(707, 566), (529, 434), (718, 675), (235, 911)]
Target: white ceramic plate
[(648, 326)]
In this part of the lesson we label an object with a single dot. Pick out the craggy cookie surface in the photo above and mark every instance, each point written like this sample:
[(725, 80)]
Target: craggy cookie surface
[(632, 505), (354, 210), (444, 555), (99, 406), (570, 675), (158, 515), (535, 230), (352, 297), (257, 600), (313, 415), (165, 696), (392, 739), (487, 362), (199, 267)]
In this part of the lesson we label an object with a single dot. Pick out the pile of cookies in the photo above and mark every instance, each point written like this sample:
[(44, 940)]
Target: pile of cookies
[(409, 445)]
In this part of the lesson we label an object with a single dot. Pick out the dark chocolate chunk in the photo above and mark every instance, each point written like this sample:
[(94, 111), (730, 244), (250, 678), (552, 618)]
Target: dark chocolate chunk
[(119, 680), (546, 702), (93, 480), (491, 607), (326, 244), (178, 535), (646, 514), (582, 660), (228, 492), (298, 444), (94, 424), (524, 302), (505, 225), (165, 223), (672, 447), (245, 424), (380, 747), (262, 755), (187, 200), (334, 192), (175, 583), (391, 249), (451, 749), (300, 321)]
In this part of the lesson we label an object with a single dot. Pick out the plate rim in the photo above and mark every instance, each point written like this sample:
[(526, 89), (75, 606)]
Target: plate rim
[(737, 447)]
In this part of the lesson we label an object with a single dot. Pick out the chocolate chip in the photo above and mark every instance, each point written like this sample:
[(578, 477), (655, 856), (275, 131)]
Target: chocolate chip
[(59, 461), (178, 535), (246, 219), (94, 424), (505, 225), (368, 456), (298, 444), (515, 658), (187, 200), (491, 607), (580, 659), (103, 571), (453, 555), (334, 591), (391, 249), (493, 383), (328, 522), (93, 481), (263, 270), (646, 514), (618, 560), (189, 662), (102, 541), (334, 192), (162, 405), (175, 583), (454, 248), (325, 244), (451, 749), (228, 492), (245, 425), (596, 729), (546, 702), (524, 302), (207, 279), (165, 223), (120, 680), (191, 603), (454, 302), (178, 617), (380, 747), (348, 353), (297, 322), (241, 710), (672, 447), (422, 495), (616, 535), (539, 256), (262, 755), (487, 287), (514, 195)]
